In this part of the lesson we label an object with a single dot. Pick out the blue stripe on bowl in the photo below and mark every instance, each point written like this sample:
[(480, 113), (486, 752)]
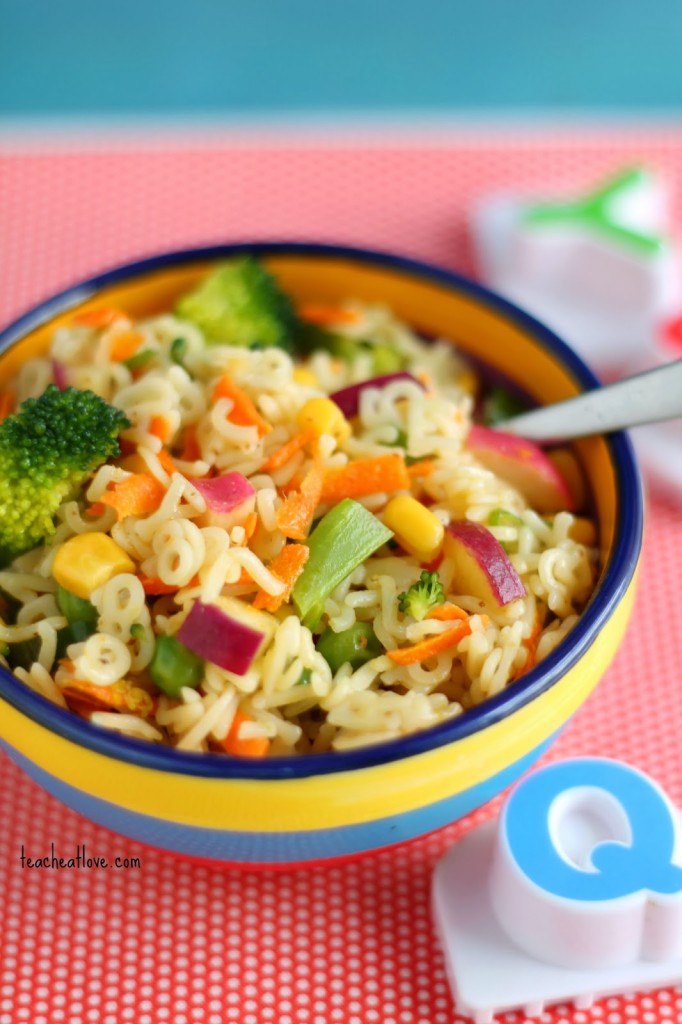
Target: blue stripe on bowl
[(276, 847)]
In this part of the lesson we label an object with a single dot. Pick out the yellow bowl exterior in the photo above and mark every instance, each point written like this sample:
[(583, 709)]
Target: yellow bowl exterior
[(322, 801)]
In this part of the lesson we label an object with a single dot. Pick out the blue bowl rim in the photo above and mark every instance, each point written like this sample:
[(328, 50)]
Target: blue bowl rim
[(615, 580)]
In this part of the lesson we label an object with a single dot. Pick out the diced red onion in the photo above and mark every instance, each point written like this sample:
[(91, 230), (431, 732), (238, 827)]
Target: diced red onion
[(224, 493), (348, 399), (217, 637)]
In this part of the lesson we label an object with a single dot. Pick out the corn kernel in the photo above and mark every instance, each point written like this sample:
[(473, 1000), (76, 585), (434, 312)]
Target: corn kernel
[(302, 375), (324, 417), (88, 561), (415, 528)]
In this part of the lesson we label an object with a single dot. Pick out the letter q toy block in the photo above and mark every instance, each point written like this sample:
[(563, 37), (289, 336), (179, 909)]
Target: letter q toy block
[(575, 893), (601, 270)]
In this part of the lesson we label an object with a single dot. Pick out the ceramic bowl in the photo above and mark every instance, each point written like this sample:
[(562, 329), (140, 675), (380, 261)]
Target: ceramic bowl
[(287, 811)]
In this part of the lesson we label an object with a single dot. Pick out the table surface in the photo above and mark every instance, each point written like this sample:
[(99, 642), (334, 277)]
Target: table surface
[(354, 944)]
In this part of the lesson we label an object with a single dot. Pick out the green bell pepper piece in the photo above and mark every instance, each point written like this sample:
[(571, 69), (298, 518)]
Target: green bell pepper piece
[(342, 540), (79, 613), (174, 666)]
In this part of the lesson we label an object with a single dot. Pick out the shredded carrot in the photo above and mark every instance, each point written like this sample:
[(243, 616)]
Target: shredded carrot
[(154, 587), (287, 566), (425, 467), (7, 399), (434, 565), (250, 525), (243, 411), (159, 427), (124, 345), (104, 316), (323, 315), (366, 476), (282, 455), (166, 460), (79, 707), (190, 447), (447, 612), (295, 514), (121, 696), (257, 746), (137, 495), (431, 646), (291, 485), (96, 509), (244, 578)]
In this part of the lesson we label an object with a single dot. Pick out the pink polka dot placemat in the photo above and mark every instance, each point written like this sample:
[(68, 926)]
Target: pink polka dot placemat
[(159, 939)]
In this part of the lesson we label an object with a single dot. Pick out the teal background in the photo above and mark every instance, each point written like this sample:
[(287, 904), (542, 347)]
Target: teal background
[(212, 58)]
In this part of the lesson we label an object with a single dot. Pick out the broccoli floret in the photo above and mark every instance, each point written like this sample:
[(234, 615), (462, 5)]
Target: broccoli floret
[(422, 596), (241, 303), (385, 359), (47, 449)]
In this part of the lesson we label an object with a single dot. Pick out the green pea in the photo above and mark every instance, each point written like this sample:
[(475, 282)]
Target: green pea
[(343, 347), (140, 359), (357, 645), (387, 359), (178, 350), (501, 517), (401, 442), (174, 666)]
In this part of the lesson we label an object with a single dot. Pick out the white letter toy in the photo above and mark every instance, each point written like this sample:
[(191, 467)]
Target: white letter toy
[(600, 270), (575, 893)]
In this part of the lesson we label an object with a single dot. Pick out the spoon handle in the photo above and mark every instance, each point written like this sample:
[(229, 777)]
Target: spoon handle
[(646, 398)]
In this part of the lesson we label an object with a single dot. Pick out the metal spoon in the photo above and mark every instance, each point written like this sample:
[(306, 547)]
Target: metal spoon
[(645, 398)]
